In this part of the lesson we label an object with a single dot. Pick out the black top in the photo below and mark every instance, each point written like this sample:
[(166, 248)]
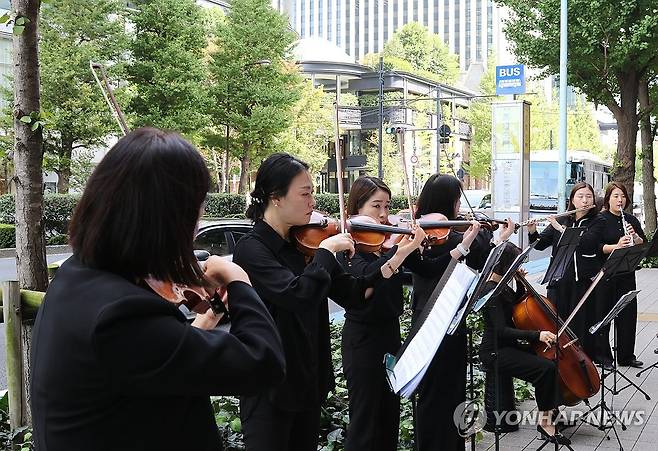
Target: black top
[(386, 302), (587, 262), (115, 367), (424, 284), (498, 320), (296, 295)]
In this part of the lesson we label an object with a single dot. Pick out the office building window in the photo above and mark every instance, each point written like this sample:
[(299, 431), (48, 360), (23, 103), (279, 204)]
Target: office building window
[(457, 30), (312, 19), (385, 23), (320, 17), (330, 19), (446, 20), (303, 14), (478, 29)]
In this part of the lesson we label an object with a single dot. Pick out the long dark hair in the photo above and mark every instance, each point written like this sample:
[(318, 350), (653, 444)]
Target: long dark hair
[(273, 178), (592, 212), (140, 208), (439, 195), (363, 189)]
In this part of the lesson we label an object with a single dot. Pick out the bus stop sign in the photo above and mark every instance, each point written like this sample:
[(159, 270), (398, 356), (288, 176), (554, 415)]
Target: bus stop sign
[(510, 80)]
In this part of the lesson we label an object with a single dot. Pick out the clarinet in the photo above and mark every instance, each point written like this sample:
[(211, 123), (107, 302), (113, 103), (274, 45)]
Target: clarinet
[(624, 225)]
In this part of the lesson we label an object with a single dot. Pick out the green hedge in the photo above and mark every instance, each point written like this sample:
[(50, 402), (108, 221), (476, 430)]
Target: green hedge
[(7, 235)]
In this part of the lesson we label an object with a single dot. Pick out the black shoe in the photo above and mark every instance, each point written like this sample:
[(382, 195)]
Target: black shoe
[(633, 363), (556, 438), (605, 363)]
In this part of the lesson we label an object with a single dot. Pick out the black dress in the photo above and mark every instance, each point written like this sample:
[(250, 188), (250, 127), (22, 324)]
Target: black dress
[(288, 416), (444, 386), (115, 367), (567, 292), (513, 359), (607, 229), (368, 334)]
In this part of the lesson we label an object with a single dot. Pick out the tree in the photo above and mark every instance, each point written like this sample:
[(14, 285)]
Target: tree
[(254, 85), (611, 48), (30, 240), (73, 33), (479, 116), (413, 49), (168, 74), (311, 129), (648, 97)]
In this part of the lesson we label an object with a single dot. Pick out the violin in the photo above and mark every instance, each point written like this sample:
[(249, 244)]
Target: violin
[(368, 234), (579, 379), (436, 225), (196, 299)]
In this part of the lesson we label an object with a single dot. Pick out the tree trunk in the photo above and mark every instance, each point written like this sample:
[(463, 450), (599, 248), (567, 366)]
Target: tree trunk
[(64, 166), (244, 171), (648, 179), (30, 241), (227, 166), (627, 119)]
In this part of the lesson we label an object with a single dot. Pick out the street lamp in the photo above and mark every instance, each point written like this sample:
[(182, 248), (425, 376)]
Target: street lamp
[(264, 63)]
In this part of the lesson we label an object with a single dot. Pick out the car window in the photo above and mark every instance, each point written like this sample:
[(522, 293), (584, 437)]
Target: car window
[(214, 241), (237, 235)]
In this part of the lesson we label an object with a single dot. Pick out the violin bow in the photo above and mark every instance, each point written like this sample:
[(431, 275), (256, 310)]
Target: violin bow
[(339, 172), (399, 134)]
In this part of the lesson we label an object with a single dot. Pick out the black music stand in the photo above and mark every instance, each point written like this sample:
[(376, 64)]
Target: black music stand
[(460, 319), (565, 249), (608, 418)]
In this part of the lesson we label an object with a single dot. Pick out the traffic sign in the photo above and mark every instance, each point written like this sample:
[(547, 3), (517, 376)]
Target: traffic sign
[(444, 131), (510, 79)]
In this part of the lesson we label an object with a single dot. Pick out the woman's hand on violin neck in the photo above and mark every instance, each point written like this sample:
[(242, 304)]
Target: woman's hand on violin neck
[(507, 230), (547, 337), (470, 234), (220, 271), (207, 321), (410, 243), (339, 243)]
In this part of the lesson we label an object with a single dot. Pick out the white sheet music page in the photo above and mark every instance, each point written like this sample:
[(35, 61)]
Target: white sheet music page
[(412, 364)]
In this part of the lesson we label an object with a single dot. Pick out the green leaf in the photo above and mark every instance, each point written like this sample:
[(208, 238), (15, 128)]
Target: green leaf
[(35, 126), (20, 21), (4, 18), (18, 29), (25, 119), (235, 424)]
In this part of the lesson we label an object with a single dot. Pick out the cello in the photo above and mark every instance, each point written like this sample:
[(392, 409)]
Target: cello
[(579, 379)]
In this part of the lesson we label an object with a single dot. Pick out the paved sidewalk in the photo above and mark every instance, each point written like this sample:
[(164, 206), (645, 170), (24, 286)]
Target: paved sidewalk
[(640, 435)]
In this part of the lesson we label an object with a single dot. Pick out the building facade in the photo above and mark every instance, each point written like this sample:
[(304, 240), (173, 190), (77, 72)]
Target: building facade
[(470, 28)]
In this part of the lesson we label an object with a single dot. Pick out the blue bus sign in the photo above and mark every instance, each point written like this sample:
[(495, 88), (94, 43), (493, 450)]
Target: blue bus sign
[(510, 79)]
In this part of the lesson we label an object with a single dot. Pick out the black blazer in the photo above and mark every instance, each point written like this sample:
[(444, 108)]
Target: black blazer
[(587, 261), (115, 367), (296, 292)]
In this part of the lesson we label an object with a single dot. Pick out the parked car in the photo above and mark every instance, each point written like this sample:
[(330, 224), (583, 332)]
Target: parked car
[(219, 237)]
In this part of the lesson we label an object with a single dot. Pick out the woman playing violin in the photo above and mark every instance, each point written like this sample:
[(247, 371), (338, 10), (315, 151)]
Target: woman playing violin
[(444, 386), (295, 291), (566, 292), (372, 331), (501, 338), (115, 366)]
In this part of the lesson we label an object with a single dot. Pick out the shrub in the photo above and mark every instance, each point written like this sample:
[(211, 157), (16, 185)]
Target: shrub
[(222, 205), (7, 235), (328, 203)]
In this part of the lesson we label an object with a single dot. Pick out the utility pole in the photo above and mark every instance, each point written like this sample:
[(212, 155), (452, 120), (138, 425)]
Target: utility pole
[(562, 161), (439, 123), (380, 144)]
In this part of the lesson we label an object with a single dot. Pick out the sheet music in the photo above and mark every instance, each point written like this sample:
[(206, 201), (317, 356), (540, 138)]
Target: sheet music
[(412, 364)]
